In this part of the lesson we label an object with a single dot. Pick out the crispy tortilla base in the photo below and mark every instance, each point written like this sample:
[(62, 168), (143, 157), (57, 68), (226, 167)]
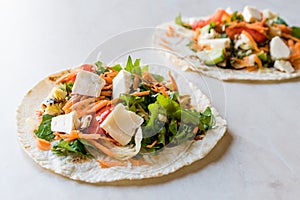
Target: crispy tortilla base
[(88, 170), (175, 48)]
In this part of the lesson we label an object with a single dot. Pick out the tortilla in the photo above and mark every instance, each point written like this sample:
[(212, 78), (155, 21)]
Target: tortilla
[(88, 170), (177, 50)]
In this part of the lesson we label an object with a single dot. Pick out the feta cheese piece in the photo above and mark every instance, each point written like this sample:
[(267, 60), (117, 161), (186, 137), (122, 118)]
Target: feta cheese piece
[(121, 83), (207, 34), (88, 83), (278, 49), (243, 42), (65, 123), (251, 14), (221, 43), (284, 66), (268, 14), (122, 124)]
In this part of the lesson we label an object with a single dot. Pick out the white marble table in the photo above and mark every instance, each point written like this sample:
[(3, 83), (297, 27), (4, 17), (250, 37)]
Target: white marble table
[(259, 158)]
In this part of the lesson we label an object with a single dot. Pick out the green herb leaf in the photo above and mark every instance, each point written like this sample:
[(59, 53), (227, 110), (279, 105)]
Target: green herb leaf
[(100, 68), (296, 32), (279, 20), (44, 129), (62, 148), (117, 67), (236, 16), (207, 120), (129, 64), (179, 21), (67, 87)]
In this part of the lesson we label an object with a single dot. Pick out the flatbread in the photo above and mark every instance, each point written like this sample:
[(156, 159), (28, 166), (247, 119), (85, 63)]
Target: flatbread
[(176, 49), (88, 170)]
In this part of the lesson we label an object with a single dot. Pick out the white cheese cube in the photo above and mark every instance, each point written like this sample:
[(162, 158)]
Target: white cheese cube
[(221, 43), (65, 123), (121, 83), (88, 83), (251, 14), (207, 34), (278, 49), (268, 14), (243, 42), (121, 124), (284, 66)]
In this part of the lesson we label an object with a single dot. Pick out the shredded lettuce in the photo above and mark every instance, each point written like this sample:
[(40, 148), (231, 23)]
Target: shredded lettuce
[(44, 129), (165, 121)]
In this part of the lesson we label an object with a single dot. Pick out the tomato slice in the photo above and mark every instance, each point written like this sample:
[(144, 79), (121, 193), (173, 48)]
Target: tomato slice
[(257, 36), (217, 18), (88, 67)]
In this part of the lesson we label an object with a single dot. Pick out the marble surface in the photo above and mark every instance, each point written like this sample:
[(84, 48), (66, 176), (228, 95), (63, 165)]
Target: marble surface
[(259, 158)]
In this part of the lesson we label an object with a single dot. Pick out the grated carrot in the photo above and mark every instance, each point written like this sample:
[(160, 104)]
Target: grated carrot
[(92, 108), (70, 103), (251, 68), (109, 76), (139, 94), (174, 84), (152, 145), (106, 93), (252, 41), (107, 87), (66, 77), (258, 61), (108, 164), (148, 77), (42, 144), (83, 103), (288, 36), (101, 147), (136, 82), (68, 136)]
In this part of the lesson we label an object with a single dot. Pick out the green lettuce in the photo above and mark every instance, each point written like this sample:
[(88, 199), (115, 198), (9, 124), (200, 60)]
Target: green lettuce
[(44, 129), (63, 148)]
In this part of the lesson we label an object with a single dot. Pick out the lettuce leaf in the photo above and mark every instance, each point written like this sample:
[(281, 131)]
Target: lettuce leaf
[(44, 129), (63, 148)]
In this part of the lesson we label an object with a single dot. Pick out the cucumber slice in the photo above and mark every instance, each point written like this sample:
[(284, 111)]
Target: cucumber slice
[(212, 57)]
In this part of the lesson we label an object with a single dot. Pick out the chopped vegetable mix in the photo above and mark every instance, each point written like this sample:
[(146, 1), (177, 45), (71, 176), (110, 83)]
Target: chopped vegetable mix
[(251, 33)]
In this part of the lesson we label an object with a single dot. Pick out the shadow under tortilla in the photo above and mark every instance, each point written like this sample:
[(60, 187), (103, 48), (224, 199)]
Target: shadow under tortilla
[(216, 154)]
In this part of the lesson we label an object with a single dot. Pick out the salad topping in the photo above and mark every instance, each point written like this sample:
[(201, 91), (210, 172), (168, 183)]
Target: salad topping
[(122, 113), (251, 39)]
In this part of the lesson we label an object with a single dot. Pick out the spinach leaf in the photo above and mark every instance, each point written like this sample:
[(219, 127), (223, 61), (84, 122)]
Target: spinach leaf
[(44, 129), (62, 148), (296, 32), (279, 20)]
